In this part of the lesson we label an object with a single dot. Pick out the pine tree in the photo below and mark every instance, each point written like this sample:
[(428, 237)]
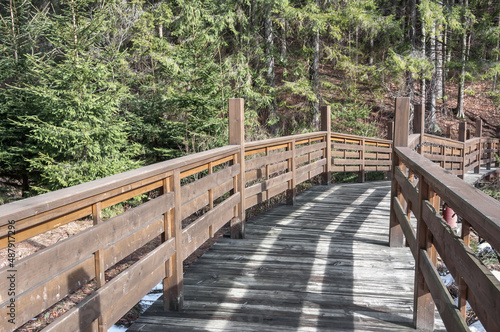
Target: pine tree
[(78, 127), (20, 29)]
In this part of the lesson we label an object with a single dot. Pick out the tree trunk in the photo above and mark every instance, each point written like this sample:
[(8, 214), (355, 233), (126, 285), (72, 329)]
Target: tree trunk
[(463, 51), (413, 25), (439, 64), (314, 72), (497, 57), (268, 31), (412, 37), (444, 49), (283, 41), (370, 62), (423, 55), (431, 106), (314, 77), (25, 185)]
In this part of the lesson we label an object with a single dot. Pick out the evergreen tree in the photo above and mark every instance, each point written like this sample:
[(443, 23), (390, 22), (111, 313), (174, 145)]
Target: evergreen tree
[(20, 29), (77, 127)]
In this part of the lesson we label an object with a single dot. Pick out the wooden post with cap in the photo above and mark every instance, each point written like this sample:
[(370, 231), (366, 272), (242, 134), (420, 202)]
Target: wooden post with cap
[(237, 137)]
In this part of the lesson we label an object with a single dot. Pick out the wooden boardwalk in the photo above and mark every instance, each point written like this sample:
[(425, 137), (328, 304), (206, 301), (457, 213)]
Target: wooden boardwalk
[(321, 265)]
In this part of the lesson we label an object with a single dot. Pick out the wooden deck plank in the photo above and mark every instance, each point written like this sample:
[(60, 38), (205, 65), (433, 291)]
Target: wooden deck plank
[(321, 265)]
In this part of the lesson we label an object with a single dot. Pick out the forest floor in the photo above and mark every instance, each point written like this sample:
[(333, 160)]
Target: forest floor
[(477, 103)]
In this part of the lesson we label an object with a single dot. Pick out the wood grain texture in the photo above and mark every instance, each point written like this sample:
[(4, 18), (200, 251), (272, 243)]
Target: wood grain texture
[(28, 207)]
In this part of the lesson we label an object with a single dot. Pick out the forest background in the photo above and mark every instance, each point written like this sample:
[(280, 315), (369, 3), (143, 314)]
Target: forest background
[(90, 88)]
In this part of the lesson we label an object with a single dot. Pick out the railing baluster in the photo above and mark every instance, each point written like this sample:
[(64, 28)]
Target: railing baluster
[(479, 134), (402, 110), (326, 125), (423, 315), (462, 137), (292, 167), (462, 286), (99, 260), (237, 137), (173, 285), (211, 232), (361, 174)]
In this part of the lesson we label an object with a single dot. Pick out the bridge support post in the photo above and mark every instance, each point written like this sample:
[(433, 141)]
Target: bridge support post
[(401, 126), (423, 310), (292, 183), (326, 125), (462, 137), (173, 284), (237, 137), (390, 136), (479, 133), (497, 162)]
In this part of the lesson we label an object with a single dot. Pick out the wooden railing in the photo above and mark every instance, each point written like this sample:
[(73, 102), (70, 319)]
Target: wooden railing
[(419, 188), (202, 191)]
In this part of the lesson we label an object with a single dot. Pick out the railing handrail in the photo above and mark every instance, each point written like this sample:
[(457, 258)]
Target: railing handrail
[(479, 209), (24, 208), (420, 186)]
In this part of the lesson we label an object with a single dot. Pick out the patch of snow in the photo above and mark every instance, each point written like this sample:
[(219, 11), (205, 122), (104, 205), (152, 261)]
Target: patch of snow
[(447, 280), (484, 249), (496, 274), (477, 327), (468, 305), (158, 287), (146, 302)]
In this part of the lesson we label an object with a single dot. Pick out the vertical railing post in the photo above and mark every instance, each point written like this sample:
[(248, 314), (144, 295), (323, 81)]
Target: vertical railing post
[(237, 137), (390, 130), (390, 136), (292, 183), (173, 284), (479, 134), (423, 311), (99, 262), (490, 155), (462, 286), (419, 125), (462, 137), (401, 126), (326, 125), (361, 174)]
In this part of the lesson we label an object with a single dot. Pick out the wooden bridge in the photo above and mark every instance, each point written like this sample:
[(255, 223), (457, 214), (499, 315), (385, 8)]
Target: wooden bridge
[(331, 258)]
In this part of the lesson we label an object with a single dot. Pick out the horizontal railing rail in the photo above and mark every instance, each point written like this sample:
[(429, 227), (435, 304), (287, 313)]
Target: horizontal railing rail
[(190, 199), (419, 188)]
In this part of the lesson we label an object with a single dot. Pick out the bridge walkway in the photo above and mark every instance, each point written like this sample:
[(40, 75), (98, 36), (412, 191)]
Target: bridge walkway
[(321, 265)]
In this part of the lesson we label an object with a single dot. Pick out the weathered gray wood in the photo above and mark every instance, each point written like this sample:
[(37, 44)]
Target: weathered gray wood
[(445, 303), (237, 136), (322, 265), (408, 230), (481, 210), (460, 259), (401, 122)]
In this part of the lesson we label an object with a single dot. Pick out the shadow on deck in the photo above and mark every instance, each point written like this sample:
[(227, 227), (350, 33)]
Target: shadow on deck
[(323, 264)]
